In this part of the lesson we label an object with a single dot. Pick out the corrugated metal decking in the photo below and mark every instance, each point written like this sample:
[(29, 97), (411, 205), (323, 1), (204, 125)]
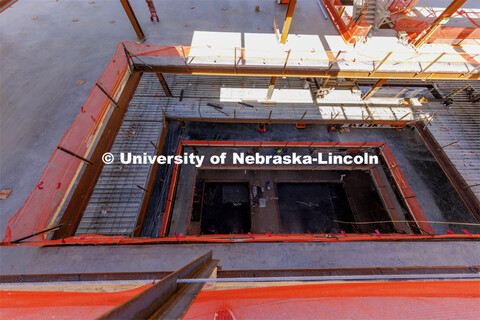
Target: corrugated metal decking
[(457, 127), (114, 206)]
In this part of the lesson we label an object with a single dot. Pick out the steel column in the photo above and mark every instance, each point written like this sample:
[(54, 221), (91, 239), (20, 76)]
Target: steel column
[(164, 84), (133, 19), (166, 295), (374, 89), (303, 72), (271, 87), (288, 21)]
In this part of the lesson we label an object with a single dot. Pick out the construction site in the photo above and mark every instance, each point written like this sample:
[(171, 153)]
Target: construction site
[(257, 159)]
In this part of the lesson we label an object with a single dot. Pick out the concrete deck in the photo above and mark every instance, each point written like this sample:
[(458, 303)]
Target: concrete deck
[(238, 256)]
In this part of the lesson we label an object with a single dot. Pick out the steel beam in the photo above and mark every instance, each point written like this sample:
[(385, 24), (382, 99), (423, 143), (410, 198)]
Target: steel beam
[(288, 21), (374, 89), (164, 84), (432, 63), (380, 64), (396, 277), (37, 279), (446, 14), (108, 95), (165, 299), (271, 87), (133, 19), (305, 72), (35, 234), (151, 180)]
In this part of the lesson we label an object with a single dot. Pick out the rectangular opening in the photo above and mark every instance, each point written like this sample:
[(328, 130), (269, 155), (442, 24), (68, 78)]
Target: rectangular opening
[(225, 208), (279, 200), (313, 207)]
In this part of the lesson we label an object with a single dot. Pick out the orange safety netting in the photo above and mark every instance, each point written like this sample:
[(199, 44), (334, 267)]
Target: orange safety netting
[(96, 239), (413, 28), (352, 300), (456, 36), (444, 35), (349, 30), (402, 5), (62, 168), (61, 305), (401, 22), (375, 300)]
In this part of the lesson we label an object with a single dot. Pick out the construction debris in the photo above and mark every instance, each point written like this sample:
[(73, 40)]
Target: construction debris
[(4, 194), (214, 105)]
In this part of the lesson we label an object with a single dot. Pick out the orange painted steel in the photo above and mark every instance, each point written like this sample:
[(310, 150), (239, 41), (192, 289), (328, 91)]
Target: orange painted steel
[(341, 300), (456, 36), (171, 193), (388, 200), (402, 5), (403, 186), (405, 190)]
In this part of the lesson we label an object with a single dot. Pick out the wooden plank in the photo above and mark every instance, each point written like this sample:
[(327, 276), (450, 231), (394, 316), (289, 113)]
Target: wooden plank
[(5, 193)]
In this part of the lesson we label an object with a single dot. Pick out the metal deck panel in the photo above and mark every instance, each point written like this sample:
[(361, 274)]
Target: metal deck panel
[(114, 206), (457, 127)]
